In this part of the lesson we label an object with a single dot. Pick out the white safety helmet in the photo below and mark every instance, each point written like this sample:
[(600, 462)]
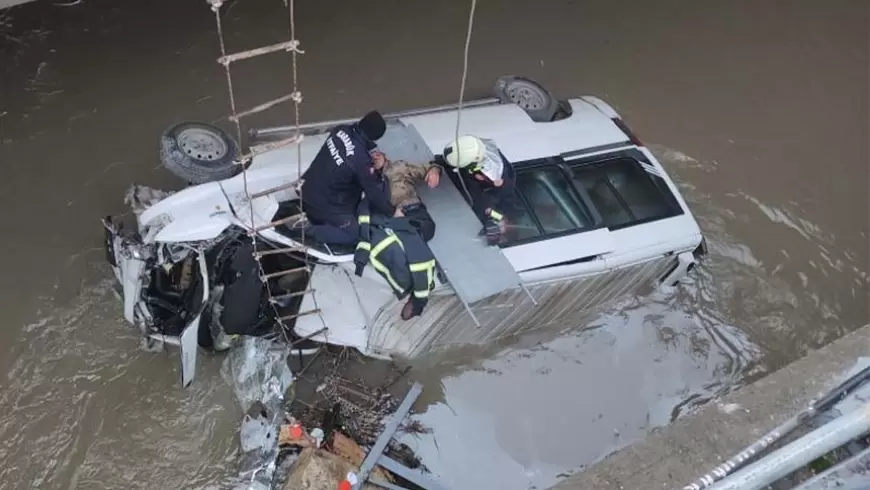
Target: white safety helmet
[(465, 151)]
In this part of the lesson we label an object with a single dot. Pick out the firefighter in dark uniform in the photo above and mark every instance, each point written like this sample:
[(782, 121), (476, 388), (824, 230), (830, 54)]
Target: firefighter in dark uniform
[(489, 179), (397, 250), (341, 171)]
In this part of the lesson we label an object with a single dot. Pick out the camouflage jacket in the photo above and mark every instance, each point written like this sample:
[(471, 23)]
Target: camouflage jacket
[(403, 178)]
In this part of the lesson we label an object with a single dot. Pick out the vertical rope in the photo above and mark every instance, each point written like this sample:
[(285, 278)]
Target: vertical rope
[(465, 66), (297, 95), (462, 93), (216, 8), (297, 100)]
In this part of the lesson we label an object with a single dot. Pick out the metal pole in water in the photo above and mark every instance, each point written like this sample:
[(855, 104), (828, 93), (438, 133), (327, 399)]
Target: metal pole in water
[(799, 453)]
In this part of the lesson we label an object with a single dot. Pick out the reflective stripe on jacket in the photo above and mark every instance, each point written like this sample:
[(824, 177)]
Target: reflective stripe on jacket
[(395, 249)]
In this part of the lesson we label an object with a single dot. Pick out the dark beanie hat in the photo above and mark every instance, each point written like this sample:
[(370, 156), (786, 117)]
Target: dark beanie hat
[(372, 125)]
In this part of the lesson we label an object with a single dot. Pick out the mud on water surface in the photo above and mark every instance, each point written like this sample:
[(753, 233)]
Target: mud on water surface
[(759, 110)]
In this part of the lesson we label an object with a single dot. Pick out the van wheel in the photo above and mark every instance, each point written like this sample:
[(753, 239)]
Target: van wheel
[(537, 101), (199, 152)]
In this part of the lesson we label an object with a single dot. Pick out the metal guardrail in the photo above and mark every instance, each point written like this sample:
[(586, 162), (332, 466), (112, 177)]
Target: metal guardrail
[(800, 452), (851, 474), (824, 403), (314, 128)]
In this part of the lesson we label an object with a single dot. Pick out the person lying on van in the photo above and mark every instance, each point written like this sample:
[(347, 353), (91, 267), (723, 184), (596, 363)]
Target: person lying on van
[(403, 178), (333, 184), (489, 178), (395, 248)]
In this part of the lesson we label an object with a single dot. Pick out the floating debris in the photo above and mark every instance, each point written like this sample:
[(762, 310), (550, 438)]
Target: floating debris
[(288, 443), (362, 408)]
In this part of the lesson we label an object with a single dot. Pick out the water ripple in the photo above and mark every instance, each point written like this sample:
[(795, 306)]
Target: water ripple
[(83, 408), (562, 400)]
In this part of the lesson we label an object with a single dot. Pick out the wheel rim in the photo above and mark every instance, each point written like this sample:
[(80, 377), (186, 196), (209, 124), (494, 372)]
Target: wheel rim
[(526, 95), (202, 144)]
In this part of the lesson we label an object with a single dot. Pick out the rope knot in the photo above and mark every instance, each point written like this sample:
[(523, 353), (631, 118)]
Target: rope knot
[(215, 4), (296, 97), (294, 46)]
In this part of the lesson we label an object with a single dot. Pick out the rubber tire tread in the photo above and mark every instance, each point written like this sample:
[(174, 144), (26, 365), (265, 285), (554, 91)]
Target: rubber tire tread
[(547, 114), (191, 169)]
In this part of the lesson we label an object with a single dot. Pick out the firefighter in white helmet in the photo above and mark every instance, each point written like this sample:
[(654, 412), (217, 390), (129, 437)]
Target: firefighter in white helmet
[(488, 177)]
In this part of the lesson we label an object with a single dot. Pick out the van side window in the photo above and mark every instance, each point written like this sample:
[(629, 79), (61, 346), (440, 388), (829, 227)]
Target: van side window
[(520, 224), (547, 205), (624, 192)]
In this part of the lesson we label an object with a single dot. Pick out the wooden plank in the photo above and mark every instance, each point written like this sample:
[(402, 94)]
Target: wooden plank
[(279, 297), (266, 147), (264, 106), (340, 445), (251, 53), (285, 272), (307, 337), (297, 315), (272, 190), (276, 251), (275, 223), (348, 449)]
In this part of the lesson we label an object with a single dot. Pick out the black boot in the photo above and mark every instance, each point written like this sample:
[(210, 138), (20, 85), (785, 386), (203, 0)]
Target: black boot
[(492, 231)]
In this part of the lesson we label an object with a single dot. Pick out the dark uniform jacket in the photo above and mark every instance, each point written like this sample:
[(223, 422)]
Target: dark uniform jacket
[(483, 193), (339, 174), (394, 247)]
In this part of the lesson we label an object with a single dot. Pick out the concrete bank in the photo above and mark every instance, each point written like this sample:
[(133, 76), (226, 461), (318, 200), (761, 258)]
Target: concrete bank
[(675, 455)]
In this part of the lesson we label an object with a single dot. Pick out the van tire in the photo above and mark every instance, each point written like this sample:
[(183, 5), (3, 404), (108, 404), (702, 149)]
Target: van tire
[(537, 101), (199, 152)]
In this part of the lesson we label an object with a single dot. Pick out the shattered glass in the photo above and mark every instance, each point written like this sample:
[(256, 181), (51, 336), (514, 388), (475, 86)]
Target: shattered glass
[(256, 368)]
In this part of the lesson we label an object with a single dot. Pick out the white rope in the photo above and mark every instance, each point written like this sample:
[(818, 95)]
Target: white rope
[(215, 6), (465, 68), (296, 102), (291, 6), (462, 94)]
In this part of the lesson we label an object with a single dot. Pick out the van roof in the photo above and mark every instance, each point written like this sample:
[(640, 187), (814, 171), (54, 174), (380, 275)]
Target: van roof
[(517, 136)]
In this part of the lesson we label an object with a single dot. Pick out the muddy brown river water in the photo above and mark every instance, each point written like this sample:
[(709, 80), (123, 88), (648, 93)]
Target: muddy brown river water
[(759, 110)]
